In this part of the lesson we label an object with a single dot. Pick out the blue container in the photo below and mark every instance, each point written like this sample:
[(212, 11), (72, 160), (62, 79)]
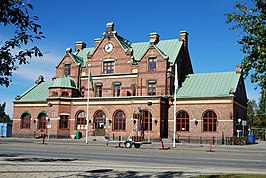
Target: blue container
[(5, 129), (251, 138)]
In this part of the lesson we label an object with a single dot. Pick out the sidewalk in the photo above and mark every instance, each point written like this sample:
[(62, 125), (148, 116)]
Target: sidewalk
[(260, 146)]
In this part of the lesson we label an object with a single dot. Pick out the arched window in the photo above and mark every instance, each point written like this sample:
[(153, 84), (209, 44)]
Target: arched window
[(182, 121), (81, 120), (25, 120), (209, 121), (119, 121), (147, 120), (63, 122), (99, 120), (41, 120)]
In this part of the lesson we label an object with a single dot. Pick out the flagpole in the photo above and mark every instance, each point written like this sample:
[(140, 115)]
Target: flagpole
[(87, 117), (176, 85)]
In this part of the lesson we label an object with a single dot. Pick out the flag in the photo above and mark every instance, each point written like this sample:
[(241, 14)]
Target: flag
[(90, 79)]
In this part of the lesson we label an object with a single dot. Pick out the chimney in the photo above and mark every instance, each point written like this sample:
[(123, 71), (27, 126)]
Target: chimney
[(110, 27), (154, 38), (68, 50), (80, 45), (96, 42), (238, 69), (183, 36)]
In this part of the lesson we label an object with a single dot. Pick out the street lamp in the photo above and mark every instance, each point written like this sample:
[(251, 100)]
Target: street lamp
[(239, 129), (49, 126)]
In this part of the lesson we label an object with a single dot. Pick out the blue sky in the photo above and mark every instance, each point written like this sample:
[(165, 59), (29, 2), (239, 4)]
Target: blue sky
[(212, 46)]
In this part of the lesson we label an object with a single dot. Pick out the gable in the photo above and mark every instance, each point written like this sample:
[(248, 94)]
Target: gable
[(71, 58)]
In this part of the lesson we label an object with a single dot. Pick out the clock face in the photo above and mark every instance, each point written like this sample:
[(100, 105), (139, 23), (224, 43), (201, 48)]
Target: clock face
[(108, 47)]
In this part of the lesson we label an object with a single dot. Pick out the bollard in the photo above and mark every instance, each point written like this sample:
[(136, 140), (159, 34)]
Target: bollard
[(222, 138), (226, 140), (162, 143), (43, 137), (119, 141)]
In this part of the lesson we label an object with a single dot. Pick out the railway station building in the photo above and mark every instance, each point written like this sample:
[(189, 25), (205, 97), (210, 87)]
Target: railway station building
[(124, 86)]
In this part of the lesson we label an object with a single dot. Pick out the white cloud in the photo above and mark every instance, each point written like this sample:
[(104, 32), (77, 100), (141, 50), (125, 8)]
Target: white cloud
[(44, 66)]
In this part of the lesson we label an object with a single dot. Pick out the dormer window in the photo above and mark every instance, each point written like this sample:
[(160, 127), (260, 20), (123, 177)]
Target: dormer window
[(67, 69), (152, 63), (108, 67)]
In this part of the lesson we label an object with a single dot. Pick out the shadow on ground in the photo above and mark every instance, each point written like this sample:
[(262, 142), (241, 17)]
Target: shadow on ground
[(10, 155), (134, 174), (38, 160)]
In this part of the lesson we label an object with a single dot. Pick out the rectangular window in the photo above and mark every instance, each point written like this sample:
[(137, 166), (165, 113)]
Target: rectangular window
[(151, 89), (152, 64), (98, 90), (67, 70), (116, 90), (108, 67)]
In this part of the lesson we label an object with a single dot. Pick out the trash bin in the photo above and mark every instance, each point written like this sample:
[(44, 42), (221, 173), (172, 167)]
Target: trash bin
[(251, 138), (78, 135)]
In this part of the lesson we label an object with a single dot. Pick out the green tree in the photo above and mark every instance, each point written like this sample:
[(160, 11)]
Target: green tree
[(3, 116), (252, 22), (261, 112), (251, 112), (14, 16)]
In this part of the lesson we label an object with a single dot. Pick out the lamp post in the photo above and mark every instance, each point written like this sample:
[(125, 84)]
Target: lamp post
[(49, 126), (239, 128), (149, 104)]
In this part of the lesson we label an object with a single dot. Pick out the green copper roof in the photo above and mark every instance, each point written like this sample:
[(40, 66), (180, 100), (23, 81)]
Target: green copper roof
[(64, 82), (139, 49), (208, 85), (170, 48), (124, 42), (78, 60), (38, 92), (82, 55)]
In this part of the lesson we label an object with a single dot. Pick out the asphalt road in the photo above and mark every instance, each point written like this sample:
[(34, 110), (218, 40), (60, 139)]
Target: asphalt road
[(149, 160)]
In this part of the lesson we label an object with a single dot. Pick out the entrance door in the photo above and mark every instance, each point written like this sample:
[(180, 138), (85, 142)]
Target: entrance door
[(99, 124)]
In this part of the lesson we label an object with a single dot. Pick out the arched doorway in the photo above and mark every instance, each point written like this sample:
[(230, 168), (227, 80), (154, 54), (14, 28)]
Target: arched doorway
[(99, 123)]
